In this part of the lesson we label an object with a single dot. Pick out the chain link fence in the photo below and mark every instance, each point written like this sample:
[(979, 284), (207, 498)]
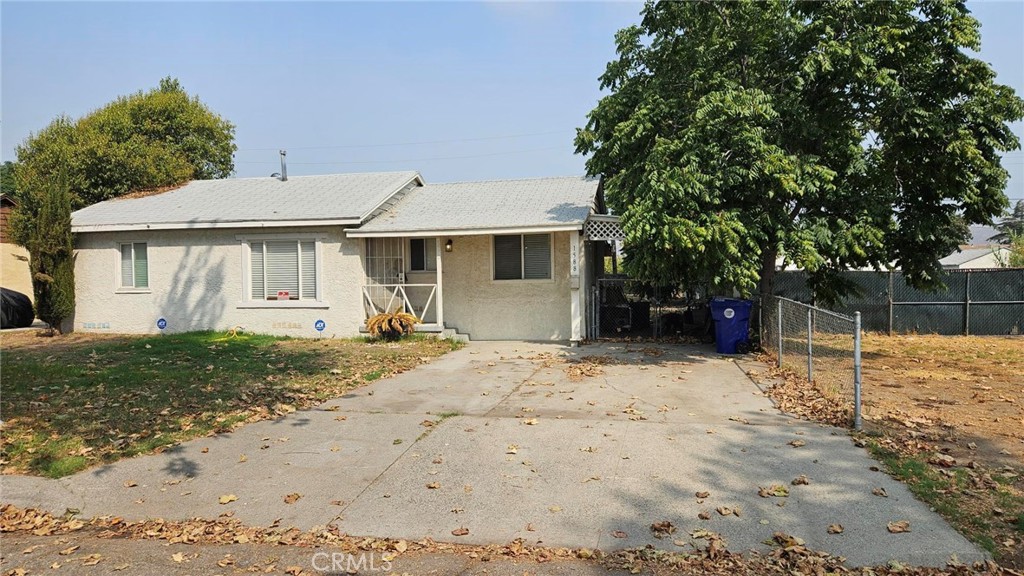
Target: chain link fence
[(820, 346), (979, 302)]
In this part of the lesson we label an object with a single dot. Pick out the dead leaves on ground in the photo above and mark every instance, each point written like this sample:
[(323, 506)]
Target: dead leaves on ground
[(588, 367), (789, 555), (776, 490), (662, 529), (898, 527)]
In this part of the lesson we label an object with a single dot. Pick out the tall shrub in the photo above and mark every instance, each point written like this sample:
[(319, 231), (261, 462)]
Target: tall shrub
[(42, 224)]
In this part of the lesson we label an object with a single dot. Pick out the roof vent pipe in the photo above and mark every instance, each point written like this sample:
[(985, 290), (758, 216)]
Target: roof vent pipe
[(284, 166)]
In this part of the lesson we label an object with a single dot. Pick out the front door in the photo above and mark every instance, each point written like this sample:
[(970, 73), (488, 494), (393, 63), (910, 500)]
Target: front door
[(385, 270)]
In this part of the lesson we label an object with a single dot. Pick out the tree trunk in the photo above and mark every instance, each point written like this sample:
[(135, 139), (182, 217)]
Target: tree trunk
[(767, 283)]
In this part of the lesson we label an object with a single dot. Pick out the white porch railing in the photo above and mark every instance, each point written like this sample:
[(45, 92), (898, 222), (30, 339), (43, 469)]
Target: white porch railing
[(379, 298)]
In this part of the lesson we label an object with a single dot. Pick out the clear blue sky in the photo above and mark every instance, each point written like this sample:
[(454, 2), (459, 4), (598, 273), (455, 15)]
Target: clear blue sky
[(458, 91)]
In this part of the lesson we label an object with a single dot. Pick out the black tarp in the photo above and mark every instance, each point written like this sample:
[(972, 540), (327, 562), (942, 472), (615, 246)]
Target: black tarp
[(15, 309)]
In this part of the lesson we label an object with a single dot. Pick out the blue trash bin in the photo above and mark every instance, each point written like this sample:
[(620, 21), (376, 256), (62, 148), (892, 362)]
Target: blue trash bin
[(732, 323)]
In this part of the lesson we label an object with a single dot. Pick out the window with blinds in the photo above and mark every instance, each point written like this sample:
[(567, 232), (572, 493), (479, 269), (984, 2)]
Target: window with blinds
[(522, 257), (283, 270), (134, 265)]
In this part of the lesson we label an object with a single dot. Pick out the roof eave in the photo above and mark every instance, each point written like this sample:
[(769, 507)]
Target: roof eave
[(87, 228), (366, 215), (430, 233)]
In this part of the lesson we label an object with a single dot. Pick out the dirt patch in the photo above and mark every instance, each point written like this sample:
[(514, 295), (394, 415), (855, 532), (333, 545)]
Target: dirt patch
[(966, 393)]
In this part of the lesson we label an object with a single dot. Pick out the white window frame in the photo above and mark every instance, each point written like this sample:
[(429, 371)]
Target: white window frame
[(246, 241), (120, 288), (522, 260), (429, 260)]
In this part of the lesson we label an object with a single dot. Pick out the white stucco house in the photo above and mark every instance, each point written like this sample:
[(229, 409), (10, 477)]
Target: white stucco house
[(977, 257), (508, 259)]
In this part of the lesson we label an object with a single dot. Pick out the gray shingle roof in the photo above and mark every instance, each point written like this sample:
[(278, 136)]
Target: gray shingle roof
[(968, 253), (489, 205), (241, 200)]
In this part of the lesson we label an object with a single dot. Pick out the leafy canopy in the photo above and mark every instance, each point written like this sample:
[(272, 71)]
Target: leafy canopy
[(146, 140), (833, 134)]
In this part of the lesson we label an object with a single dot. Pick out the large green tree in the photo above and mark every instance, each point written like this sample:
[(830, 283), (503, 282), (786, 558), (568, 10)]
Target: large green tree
[(833, 134), (161, 137), (8, 186)]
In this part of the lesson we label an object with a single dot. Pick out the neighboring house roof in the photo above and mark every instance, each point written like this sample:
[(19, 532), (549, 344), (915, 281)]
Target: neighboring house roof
[(460, 208), (968, 254), (347, 199)]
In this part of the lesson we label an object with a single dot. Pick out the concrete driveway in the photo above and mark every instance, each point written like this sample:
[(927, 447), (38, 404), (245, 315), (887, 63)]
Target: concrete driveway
[(496, 438)]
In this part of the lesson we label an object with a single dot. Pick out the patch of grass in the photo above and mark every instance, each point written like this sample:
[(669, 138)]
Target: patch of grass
[(957, 496), (74, 401)]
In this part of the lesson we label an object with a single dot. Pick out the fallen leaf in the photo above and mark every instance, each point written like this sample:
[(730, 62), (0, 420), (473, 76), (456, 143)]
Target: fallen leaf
[(337, 502), (530, 421), (401, 546), (243, 458), (663, 528), (555, 508), (31, 549), (227, 498), (530, 528), (396, 441), (787, 541), (434, 485), (777, 490), (130, 483), (797, 443), (835, 528), (512, 449), (292, 498), (704, 516), (69, 550), (724, 510), (703, 494), (898, 527), (880, 492), (293, 570), (92, 560), (460, 531), (178, 557), (619, 534), (800, 480)]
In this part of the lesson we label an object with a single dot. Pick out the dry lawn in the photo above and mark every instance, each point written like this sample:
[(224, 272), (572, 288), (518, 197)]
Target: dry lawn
[(967, 393)]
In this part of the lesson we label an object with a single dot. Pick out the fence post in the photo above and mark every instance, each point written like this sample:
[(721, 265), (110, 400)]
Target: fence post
[(967, 303), (890, 302), (856, 371), (779, 334), (810, 344)]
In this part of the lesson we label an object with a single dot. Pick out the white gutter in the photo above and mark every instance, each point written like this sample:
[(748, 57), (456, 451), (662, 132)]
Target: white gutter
[(84, 228), (462, 231)]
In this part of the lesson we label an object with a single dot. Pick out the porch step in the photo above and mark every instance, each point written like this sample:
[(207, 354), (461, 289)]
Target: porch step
[(453, 334)]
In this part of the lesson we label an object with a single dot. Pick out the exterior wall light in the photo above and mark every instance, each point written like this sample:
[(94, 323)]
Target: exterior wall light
[(448, 245)]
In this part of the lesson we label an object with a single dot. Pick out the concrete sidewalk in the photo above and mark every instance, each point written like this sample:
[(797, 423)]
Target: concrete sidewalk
[(520, 451)]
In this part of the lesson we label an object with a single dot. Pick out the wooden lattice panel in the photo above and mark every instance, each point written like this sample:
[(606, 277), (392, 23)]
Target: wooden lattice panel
[(603, 230)]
